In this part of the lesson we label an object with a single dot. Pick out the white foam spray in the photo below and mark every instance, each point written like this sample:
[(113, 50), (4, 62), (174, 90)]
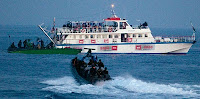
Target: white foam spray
[(120, 86)]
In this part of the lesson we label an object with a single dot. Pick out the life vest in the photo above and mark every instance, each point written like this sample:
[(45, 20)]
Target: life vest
[(110, 29)]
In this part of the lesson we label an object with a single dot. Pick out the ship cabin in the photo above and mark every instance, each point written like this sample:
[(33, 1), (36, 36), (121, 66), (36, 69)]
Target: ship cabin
[(111, 30)]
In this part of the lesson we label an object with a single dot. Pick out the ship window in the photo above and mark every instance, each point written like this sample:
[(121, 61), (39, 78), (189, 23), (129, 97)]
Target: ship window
[(134, 35), (110, 36), (104, 36), (112, 24), (91, 36), (123, 25), (98, 36), (140, 35), (116, 36), (129, 35), (115, 24), (80, 37), (86, 36), (146, 35)]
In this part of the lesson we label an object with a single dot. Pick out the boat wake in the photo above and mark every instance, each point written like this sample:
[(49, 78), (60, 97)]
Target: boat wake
[(122, 87)]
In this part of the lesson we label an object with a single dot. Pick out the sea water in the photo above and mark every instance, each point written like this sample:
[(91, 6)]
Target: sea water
[(134, 76)]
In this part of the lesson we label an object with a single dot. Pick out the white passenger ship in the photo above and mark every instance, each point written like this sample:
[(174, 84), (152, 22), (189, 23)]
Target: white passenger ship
[(116, 36)]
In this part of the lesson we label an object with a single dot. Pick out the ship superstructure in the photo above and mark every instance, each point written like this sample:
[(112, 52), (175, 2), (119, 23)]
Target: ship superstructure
[(115, 35)]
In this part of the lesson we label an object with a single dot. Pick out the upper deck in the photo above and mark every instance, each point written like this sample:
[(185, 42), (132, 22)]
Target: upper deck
[(112, 25), (112, 30)]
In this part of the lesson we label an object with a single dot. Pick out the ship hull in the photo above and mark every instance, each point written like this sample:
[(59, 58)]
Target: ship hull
[(45, 51), (134, 48)]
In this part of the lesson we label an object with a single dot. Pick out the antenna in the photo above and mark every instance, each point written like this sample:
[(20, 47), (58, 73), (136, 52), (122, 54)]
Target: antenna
[(54, 23), (113, 12), (194, 31)]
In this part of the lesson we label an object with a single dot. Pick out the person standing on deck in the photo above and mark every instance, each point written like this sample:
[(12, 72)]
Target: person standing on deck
[(42, 44), (25, 43), (13, 45), (20, 44)]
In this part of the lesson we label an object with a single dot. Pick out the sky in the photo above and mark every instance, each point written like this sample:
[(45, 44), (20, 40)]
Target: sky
[(158, 13)]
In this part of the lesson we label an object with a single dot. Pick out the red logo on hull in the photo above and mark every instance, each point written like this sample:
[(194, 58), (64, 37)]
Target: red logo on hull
[(114, 47), (81, 41), (93, 41), (138, 47), (129, 39), (106, 40)]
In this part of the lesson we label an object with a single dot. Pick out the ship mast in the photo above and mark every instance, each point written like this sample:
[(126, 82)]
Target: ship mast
[(54, 24), (194, 31), (113, 12)]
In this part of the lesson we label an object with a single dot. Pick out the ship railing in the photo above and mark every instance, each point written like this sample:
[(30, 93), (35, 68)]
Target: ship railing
[(87, 29), (175, 39), (140, 27)]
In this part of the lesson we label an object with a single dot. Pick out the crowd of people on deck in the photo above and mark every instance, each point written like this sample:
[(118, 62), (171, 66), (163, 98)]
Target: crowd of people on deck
[(92, 68), (27, 44), (89, 27)]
